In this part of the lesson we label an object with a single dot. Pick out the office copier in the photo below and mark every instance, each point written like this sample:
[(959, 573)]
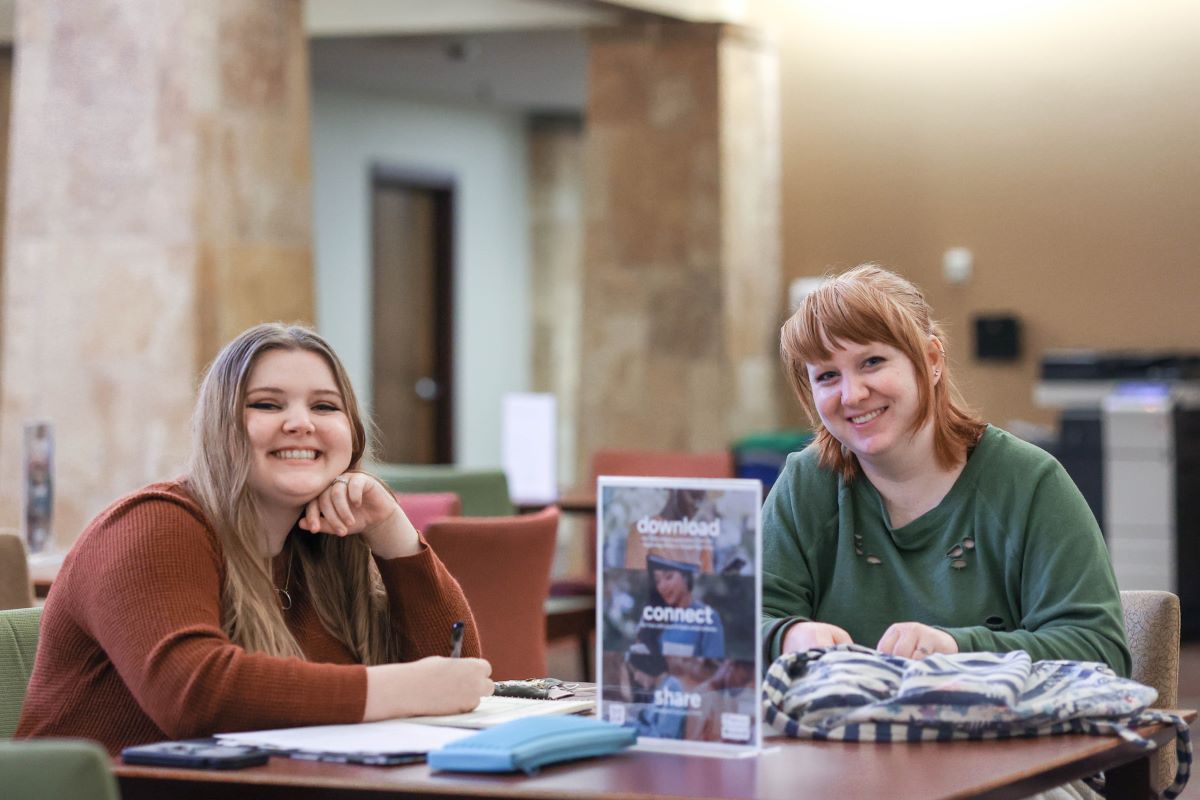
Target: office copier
[(1130, 438)]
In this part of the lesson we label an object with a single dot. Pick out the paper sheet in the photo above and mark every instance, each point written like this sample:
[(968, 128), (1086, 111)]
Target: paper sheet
[(412, 735), (494, 710), (388, 736), (528, 447)]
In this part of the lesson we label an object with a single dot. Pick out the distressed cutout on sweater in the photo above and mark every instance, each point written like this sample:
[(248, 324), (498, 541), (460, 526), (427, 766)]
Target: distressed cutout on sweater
[(858, 546), (957, 553)]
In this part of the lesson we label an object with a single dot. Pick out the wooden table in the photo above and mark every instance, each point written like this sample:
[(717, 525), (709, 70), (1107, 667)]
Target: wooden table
[(578, 500), (574, 500), (42, 569), (789, 770)]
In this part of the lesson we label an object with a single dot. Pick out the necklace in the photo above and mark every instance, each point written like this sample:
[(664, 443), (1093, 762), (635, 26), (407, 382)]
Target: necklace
[(285, 599)]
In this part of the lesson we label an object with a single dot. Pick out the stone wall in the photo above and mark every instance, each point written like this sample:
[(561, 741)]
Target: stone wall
[(158, 204), (556, 242), (681, 287)]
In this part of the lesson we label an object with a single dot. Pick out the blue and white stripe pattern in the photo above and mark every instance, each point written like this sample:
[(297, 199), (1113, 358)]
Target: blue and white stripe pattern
[(854, 693)]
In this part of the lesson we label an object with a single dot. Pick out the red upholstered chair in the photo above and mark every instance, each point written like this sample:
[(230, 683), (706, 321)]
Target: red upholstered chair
[(422, 508), (503, 566), (648, 463)]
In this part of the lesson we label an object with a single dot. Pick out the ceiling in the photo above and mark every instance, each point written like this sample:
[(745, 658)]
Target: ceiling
[(541, 71), (527, 55), (410, 17)]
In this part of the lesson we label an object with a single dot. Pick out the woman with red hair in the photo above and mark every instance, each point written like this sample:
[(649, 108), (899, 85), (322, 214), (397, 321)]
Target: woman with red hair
[(909, 524)]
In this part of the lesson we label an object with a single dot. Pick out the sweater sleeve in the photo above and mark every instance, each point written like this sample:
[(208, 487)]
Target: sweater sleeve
[(425, 601), (787, 581), (152, 601), (1070, 606)]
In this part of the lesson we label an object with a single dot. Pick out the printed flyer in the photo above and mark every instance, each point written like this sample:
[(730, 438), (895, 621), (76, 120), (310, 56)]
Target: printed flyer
[(678, 629)]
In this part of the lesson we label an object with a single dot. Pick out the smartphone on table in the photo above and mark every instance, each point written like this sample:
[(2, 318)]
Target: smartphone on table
[(196, 754)]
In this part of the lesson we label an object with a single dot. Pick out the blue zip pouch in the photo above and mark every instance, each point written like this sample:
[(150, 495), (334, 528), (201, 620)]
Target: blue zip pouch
[(524, 745)]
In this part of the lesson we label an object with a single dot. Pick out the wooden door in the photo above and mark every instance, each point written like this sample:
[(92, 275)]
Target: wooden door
[(412, 226)]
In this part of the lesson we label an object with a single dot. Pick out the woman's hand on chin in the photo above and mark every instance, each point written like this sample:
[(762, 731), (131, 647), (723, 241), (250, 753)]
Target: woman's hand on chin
[(914, 640), (357, 503)]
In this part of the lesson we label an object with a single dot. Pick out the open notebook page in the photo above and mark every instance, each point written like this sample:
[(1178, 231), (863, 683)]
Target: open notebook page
[(387, 736), (494, 711)]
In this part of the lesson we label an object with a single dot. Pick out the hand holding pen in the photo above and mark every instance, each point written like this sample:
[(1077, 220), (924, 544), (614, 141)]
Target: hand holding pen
[(456, 638), (431, 685)]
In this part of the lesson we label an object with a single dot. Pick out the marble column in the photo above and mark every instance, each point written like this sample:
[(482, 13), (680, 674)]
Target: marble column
[(556, 194), (6, 63), (158, 203), (682, 279)]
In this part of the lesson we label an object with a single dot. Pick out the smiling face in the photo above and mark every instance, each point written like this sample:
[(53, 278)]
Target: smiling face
[(673, 587), (299, 433), (866, 396)]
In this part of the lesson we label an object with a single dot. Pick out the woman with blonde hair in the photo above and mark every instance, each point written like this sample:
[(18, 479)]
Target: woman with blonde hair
[(274, 585), (910, 525)]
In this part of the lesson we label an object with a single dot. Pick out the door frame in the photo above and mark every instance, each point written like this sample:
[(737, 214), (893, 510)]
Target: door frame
[(442, 187)]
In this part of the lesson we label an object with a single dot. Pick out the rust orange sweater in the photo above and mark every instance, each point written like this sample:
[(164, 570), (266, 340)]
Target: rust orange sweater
[(131, 648)]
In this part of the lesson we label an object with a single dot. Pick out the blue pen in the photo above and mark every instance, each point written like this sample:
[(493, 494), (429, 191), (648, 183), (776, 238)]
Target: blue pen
[(456, 637)]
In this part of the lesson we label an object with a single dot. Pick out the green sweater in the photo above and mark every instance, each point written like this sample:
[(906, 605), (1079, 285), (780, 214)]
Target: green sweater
[(1011, 559)]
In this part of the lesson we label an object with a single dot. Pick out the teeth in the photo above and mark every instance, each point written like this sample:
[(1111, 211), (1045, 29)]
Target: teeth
[(309, 454), (866, 417)]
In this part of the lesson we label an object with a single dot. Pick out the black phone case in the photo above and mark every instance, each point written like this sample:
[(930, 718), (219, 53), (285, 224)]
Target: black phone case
[(199, 754)]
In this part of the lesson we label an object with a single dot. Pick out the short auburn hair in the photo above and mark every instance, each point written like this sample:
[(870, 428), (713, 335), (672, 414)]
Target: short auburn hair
[(871, 304)]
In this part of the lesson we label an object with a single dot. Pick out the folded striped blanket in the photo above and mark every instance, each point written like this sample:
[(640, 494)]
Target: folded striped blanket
[(854, 693)]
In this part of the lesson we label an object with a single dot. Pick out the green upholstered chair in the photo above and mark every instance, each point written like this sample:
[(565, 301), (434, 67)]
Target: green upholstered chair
[(45, 768), (41, 768), (483, 492), (18, 645)]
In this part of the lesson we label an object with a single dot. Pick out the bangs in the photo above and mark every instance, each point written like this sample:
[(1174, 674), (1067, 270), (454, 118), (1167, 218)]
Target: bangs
[(839, 311), (868, 305)]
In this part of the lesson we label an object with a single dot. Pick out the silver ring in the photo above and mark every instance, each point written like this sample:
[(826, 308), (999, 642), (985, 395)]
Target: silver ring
[(342, 479), (925, 650)]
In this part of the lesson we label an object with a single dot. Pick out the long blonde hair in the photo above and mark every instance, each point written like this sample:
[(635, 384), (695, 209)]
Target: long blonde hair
[(343, 583), (870, 304)]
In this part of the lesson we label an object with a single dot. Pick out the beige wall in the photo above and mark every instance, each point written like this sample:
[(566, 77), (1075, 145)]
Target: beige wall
[(1059, 141)]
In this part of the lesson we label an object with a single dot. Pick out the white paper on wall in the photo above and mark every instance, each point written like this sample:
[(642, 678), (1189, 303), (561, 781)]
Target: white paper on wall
[(527, 446)]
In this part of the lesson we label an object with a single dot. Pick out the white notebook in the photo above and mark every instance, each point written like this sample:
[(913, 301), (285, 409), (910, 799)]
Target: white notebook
[(411, 735), (387, 736), (493, 711)]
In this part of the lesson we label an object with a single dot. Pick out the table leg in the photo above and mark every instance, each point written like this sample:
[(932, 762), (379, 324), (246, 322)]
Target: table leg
[(585, 656), (1130, 781)]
